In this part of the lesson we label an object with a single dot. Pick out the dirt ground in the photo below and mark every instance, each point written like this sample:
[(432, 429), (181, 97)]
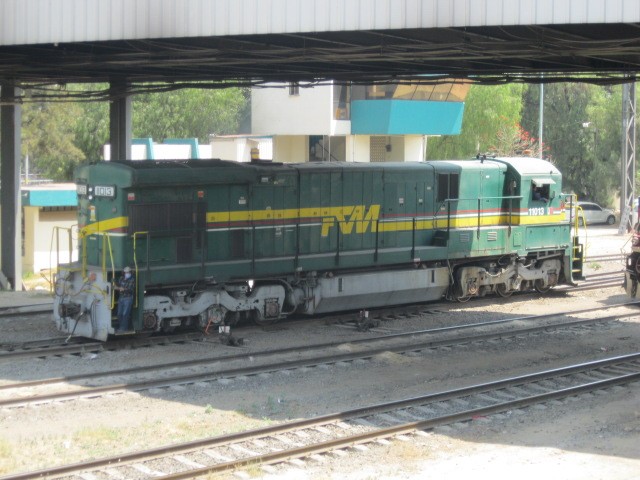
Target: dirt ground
[(589, 437)]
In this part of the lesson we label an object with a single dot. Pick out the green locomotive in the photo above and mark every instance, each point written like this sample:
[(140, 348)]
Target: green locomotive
[(214, 242)]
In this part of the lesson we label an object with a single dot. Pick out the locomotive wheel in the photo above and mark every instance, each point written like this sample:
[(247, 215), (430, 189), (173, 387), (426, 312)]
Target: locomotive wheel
[(540, 288), (501, 289)]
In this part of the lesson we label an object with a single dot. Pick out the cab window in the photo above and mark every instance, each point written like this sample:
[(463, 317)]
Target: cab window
[(539, 193)]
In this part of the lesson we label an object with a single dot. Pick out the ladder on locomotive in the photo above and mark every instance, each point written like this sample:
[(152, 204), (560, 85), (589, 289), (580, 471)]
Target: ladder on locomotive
[(577, 253)]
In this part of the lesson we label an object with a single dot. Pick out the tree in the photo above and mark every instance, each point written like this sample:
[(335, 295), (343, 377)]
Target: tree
[(488, 111), (513, 140), (57, 136), (48, 139), (188, 113), (92, 133), (582, 131)]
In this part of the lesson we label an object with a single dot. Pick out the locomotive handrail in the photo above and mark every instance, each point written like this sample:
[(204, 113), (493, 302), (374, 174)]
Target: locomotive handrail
[(479, 217), (577, 252), (449, 201), (135, 260), (580, 213), (56, 234), (506, 197), (83, 261), (107, 239)]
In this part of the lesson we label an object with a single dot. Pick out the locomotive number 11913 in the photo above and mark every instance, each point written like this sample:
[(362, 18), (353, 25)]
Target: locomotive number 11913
[(536, 211)]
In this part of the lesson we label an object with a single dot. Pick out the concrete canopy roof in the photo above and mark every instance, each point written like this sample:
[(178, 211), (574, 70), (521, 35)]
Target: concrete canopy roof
[(360, 56), (254, 41)]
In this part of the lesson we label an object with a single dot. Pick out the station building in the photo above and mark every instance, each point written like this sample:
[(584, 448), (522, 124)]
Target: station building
[(346, 123), (49, 218)]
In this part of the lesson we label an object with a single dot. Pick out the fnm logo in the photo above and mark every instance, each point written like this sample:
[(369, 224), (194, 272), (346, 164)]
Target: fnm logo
[(350, 217)]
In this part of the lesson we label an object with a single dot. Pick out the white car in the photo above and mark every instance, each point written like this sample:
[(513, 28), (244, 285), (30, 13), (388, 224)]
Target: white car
[(594, 213)]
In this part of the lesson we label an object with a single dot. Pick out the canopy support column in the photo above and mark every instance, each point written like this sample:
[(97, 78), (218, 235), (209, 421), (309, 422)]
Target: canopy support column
[(120, 121), (11, 218)]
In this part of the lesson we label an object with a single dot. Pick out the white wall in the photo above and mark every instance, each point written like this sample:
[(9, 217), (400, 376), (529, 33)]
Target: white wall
[(38, 234), (238, 149), (275, 112), (291, 149), (414, 148), (224, 149), (163, 151)]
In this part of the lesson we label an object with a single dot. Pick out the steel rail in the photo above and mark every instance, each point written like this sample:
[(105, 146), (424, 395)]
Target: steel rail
[(624, 362), (283, 365), (607, 258), (266, 353), (14, 352), (605, 274), (18, 351), (405, 428), (26, 309)]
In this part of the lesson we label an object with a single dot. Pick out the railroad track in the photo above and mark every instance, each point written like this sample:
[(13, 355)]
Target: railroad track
[(80, 346), (33, 309), (48, 347), (613, 257), (596, 281), (217, 368), (348, 429)]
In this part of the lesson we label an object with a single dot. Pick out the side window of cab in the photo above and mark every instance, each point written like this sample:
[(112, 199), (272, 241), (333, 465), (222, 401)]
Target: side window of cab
[(539, 193)]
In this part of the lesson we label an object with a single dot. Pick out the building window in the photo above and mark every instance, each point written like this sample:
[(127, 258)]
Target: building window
[(294, 88), (58, 209), (341, 102)]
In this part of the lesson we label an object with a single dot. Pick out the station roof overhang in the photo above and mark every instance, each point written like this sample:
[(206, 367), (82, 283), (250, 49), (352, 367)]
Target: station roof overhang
[(490, 54)]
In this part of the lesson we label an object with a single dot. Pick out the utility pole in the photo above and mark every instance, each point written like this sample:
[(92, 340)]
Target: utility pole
[(628, 163), (541, 118)]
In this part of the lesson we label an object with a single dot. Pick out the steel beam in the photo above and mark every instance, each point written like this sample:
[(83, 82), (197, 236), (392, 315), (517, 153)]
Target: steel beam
[(628, 163), (11, 220), (120, 121)]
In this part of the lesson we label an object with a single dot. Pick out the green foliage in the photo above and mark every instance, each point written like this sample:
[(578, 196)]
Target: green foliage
[(48, 138), (57, 136), (188, 113), (92, 133), (488, 110), (582, 133)]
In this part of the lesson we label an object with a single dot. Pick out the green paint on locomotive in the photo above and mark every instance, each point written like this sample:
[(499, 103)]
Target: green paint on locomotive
[(178, 222)]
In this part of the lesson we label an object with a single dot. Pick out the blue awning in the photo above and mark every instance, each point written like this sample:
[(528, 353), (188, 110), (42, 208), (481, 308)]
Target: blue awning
[(406, 117)]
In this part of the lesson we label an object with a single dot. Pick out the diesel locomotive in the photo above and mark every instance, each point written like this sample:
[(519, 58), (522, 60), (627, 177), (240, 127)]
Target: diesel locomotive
[(214, 242)]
